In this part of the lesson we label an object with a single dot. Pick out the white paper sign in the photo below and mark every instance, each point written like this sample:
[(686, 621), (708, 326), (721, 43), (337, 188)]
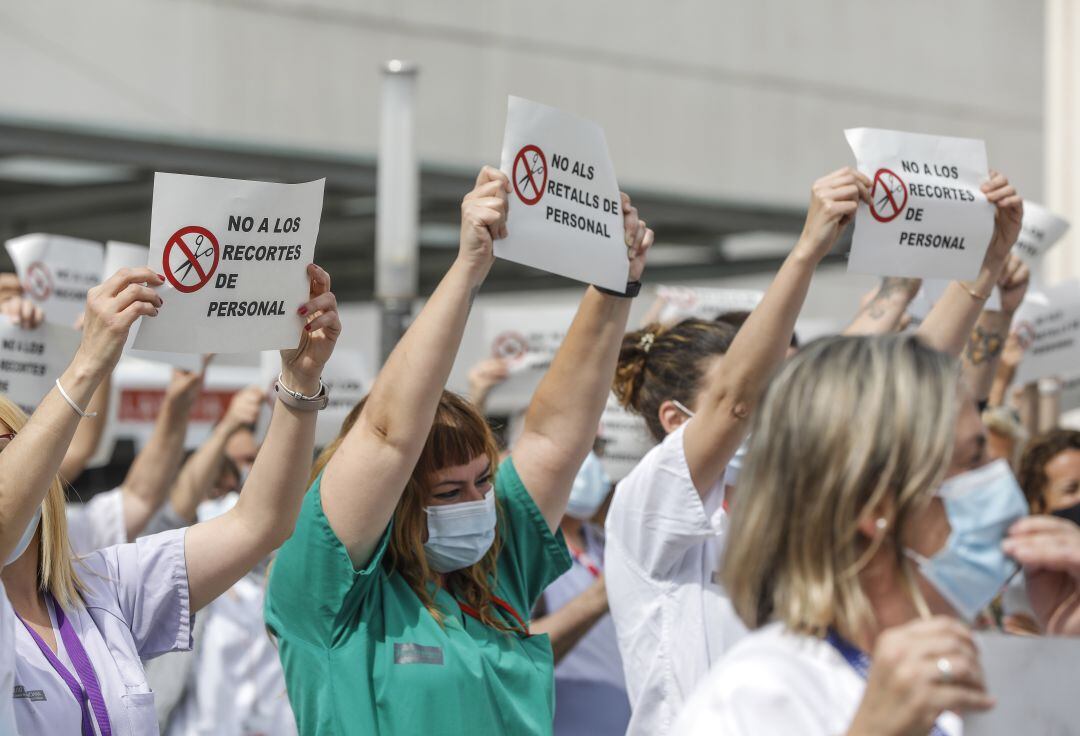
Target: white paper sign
[(1039, 231), (1032, 679), (625, 439), (347, 381), (56, 272), (526, 338), (1049, 325), (126, 255), (685, 302), (234, 254), (933, 289), (927, 217), (30, 360), (565, 212)]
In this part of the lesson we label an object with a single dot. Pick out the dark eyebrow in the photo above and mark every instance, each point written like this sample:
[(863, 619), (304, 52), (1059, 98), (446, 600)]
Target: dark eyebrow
[(449, 483)]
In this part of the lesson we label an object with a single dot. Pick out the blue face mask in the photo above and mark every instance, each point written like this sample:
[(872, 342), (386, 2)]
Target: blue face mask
[(591, 487), (27, 537), (971, 568)]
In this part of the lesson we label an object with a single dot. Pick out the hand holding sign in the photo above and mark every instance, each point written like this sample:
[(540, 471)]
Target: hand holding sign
[(1008, 214), (22, 312), (1013, 284), (639, 238), (301, 368), (905, 693), (483, 219), (1049, 550), (111, 309), (834, 198)]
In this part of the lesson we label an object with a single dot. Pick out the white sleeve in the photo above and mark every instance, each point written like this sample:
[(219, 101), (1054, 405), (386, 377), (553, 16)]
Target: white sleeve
[(657, 513), (98, 523), (7, 663), (753, 698)]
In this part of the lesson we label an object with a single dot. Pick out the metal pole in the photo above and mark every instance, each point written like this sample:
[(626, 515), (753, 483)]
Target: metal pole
[(397, 209)]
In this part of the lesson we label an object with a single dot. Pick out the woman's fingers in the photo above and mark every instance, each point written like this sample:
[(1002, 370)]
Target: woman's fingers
[(134, 292), (325, 302), (125, 276), (329, 321)]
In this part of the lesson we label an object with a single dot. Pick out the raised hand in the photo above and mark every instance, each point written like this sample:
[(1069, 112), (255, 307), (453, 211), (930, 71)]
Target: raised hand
[(834, 198), (301, 368), (483, 219), (111, 308)]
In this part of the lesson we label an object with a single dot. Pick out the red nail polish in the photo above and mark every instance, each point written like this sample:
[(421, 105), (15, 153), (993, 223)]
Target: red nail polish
[(307, 328), (160, 276), (302, 310)]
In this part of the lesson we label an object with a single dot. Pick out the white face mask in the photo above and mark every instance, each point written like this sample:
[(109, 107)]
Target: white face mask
[(460, 534), (27, 537), (591, 487)]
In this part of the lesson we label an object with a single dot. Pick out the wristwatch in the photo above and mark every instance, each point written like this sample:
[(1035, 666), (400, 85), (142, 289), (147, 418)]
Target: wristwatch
[(297, 400)]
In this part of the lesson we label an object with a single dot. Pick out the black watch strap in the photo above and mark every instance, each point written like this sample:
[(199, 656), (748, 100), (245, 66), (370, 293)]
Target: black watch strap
[(633, 288)]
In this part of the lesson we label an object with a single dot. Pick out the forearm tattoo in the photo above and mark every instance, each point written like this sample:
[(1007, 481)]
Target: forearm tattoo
[(984, 346)]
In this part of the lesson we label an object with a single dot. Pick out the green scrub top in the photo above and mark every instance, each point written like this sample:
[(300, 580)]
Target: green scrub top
[(362, 655)]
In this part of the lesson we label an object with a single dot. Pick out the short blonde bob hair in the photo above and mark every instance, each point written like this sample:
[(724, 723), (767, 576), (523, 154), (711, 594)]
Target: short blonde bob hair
[(56, 571), (847, 423)]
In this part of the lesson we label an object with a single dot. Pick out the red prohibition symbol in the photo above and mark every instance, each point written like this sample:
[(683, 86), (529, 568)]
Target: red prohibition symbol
[(198, 248), (510, 346), (530, 174), (39, 283), (888, 196)]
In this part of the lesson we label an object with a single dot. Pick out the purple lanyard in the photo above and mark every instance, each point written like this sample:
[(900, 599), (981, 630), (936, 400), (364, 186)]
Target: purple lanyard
[(860, 662), (85, 688)]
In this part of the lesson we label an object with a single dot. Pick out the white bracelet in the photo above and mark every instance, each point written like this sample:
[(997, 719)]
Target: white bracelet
[(74, 407)]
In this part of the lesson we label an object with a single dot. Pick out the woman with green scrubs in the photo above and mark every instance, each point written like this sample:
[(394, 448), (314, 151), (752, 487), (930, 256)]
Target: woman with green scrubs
[(401, 603)]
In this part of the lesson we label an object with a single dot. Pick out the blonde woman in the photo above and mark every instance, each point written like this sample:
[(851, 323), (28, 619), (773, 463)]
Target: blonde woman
[(402, 602), (86, 623), (697, 390), (859, 550)]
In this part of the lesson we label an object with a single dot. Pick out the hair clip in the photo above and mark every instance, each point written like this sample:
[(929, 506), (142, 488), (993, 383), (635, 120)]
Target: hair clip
[(647, 341)]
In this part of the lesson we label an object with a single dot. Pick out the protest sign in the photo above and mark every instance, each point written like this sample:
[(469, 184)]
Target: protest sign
[(526, 338), (625, 439), (56, 272), (31, 360), (685, 302), (565, 211), (927, 216), (347, 380), (126, 255), (1039, 231), (1030, 678), (1048, 325), (933, 289), (234, 255)]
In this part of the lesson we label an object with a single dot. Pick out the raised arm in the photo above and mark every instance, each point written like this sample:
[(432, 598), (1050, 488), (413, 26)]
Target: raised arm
[(84, 445), (151, 475), (568, 625), (988, 338), (222, 550), (203, 468), (563, 416), (29, 316), (884, 311), (949, 324), (30, 462), (734, 384), (365, 478)]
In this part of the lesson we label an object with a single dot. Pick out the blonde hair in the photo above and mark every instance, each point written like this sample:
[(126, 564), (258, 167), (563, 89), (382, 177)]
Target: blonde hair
[(848, 423), (458, 436), (1001, 421), (56, 572)]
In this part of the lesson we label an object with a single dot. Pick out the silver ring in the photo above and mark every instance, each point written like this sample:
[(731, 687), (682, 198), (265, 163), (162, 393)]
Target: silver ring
[(944, 668)]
